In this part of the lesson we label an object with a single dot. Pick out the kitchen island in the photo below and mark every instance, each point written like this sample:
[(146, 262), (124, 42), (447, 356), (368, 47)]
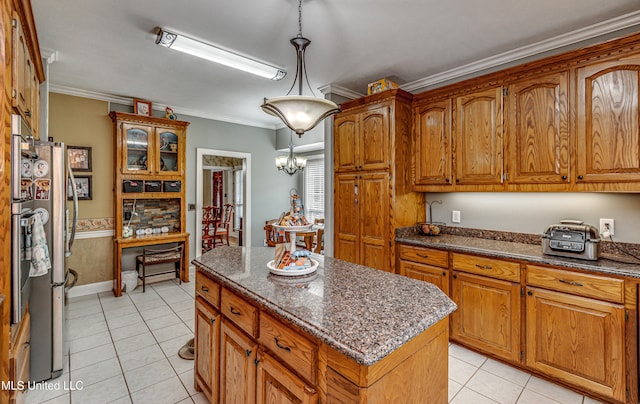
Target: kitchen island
[(346, 333)]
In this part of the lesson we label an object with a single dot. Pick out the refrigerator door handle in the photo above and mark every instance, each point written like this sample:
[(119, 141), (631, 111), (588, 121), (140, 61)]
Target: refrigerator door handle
[(74, 221), (63, 283)]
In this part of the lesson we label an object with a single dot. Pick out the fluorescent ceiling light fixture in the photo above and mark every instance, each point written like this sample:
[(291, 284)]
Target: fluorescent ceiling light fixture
[(212, 53)]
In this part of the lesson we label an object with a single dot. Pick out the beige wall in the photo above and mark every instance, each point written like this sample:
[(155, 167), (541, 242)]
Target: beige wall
[(80, 121), (84, 122)]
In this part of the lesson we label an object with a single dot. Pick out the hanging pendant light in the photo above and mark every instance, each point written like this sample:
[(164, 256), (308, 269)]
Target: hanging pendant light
[(290, 164), (300, 113)]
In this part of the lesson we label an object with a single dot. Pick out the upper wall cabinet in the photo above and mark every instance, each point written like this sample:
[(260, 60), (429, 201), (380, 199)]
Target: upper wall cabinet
[(26, 85), (478, 137), (362, 140), (537, 137), (608, 146), (433, 158)]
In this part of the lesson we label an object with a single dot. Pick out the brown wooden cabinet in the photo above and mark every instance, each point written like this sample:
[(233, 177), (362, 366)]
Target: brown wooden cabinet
[(538, 126), (207, 323), (149, 173), (433, 154), (26, 91), (577, 340), (237, 365), (19, 356), (425, 264), (608, 144), (277, 384), (477, 128), (373, 194), (362, 225), (362, 140), (489, 303)]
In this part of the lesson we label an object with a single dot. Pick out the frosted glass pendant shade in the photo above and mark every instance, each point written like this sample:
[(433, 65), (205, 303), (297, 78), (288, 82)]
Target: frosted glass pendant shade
[(300, 113)]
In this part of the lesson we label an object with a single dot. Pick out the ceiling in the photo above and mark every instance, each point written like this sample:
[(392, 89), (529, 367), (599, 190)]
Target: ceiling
[(107, 48)]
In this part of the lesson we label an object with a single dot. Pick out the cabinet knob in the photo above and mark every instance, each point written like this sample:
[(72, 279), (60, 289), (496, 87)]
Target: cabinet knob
[(27, 113), (447, 180), (530, 293), (248, 352), (564, 177), (580, 177), (457, 180)]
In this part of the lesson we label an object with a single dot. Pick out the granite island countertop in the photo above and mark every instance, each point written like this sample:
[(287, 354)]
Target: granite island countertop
[(519, 251), (361, 312)]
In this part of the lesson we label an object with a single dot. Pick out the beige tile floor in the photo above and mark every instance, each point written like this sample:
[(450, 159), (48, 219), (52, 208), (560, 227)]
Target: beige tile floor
[(124, 350)]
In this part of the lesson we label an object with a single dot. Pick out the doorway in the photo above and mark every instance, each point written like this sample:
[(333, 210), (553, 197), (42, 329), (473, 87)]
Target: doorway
[(216, 166)]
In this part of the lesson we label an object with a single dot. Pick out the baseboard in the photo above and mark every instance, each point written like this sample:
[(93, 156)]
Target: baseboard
[(98, 287), (89, 289)]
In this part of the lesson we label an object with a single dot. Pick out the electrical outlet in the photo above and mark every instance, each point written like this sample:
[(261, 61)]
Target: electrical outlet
[(604, 223), (455, 216)]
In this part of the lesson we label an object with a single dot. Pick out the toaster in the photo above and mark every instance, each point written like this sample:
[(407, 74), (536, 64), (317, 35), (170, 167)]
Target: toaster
[(572, 239)]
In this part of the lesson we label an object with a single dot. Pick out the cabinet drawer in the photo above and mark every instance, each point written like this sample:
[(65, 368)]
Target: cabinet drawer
[(208, 289), (587, 285), (289, 346), (240, 312), (429, 256), (509, 271)]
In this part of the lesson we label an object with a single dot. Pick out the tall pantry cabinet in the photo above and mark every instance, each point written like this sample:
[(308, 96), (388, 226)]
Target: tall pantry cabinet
[(372, 178)]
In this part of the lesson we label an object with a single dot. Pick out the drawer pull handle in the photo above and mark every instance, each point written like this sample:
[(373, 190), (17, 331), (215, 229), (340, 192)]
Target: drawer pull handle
[(484, 266), (234, 311), (572, 283), (422, 255), (204, 288), (286, 348)]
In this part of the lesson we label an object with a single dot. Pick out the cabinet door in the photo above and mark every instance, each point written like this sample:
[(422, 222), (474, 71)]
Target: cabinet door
[(237, 365), (206, 353), (432, 133), (478, 137), (374, 139), (538, 130), (488, 315), (346, 217), (168, 147), (373, 195), (137, 147), (277, 385), (577, 340), (345, 147), (22, 71), (608, 143), (427, 273)]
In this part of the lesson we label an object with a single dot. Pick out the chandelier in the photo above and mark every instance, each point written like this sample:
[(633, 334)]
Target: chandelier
[(300, 113), (290, 164)]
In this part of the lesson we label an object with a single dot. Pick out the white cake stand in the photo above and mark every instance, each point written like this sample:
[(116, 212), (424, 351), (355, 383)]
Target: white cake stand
[(292, 230)]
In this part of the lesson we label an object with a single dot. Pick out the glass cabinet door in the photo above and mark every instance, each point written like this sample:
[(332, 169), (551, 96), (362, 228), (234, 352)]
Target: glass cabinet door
[(168, 152), (136, 149)]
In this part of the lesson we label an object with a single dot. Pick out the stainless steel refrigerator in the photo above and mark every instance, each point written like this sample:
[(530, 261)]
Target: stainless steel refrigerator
[(44, 181)]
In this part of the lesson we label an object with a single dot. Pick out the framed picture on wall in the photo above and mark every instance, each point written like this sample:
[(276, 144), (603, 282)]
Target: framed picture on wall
[(83, 186), (79, 158), (141, 107)]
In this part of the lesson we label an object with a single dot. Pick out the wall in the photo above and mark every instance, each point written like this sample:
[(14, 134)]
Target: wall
[(269, 188), (532, 212), (84, 122)]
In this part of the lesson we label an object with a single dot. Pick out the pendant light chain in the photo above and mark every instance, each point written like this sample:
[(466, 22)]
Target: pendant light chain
[(300, 18)]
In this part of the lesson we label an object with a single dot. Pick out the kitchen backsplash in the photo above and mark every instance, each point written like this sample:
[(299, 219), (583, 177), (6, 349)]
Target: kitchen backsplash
[(153, 213), (607, 247)]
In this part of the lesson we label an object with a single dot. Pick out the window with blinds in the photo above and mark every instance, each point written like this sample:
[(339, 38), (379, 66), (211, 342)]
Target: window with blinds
[(314, 189)]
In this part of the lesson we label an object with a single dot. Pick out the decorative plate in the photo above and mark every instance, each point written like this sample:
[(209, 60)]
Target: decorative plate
[(292, 272)]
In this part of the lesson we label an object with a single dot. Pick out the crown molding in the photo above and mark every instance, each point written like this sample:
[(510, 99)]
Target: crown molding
[(55, 88), (570, 38), (339, 90)]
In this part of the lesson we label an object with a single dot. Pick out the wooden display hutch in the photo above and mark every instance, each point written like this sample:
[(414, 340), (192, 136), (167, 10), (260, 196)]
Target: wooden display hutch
[(149, 164)]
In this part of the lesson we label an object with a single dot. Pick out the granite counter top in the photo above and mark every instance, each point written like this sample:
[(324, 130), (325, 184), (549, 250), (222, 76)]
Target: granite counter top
[(519, 251), (361, 312)]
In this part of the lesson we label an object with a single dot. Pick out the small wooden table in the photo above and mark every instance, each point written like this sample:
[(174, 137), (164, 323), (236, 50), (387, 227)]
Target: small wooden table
[(120, 244)]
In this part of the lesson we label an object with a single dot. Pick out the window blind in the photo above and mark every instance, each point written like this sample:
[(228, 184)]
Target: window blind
[(314, 189)]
